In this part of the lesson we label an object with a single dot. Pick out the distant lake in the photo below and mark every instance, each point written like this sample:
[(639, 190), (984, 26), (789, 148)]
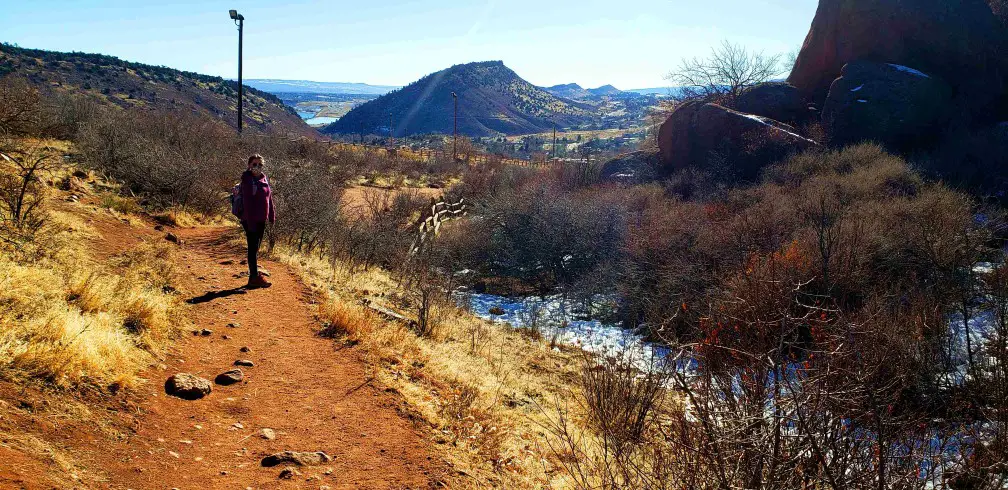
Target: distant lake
[(320, 121)]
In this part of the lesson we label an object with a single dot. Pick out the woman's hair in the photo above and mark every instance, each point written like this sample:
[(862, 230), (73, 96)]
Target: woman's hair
[(254, 158)]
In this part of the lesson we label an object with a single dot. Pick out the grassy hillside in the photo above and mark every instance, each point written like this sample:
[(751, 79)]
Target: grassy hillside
[(493, 99), (125, 84)]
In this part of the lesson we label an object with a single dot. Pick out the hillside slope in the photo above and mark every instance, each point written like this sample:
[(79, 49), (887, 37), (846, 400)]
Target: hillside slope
[(114, 82), (493, 99)]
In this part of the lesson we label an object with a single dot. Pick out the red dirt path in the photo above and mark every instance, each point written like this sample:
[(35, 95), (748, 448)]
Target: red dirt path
[(316, 396)]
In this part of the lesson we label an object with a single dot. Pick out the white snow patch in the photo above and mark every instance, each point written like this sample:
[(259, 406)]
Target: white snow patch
[(859, 87), (862, 101), (556, 319), (763, 121), (907, 69)]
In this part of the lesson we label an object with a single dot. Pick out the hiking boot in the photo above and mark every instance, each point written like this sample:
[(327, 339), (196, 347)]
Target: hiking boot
[(258, 281)]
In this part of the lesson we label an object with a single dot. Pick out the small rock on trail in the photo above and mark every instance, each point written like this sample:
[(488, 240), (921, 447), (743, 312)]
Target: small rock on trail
[(267, 433), (245, 348), (229, 377), (244, 362), (296, 457), (289, 473), (187, 386)]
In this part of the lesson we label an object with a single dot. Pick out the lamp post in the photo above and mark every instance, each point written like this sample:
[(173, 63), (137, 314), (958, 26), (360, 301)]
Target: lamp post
[(240, 22), (455, 131)]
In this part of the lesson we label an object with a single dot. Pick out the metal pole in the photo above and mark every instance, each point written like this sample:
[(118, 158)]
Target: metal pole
[(391, 135), (241, 91), (455, 132), (554, 141)]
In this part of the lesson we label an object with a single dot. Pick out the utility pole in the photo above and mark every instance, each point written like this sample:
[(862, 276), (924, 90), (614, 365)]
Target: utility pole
[(455, 132), (554, 142), (240, 21), (391, 134)]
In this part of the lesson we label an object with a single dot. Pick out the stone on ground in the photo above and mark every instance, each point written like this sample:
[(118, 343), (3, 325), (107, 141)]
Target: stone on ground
[(187, 386), (297, 458), (229, 377)]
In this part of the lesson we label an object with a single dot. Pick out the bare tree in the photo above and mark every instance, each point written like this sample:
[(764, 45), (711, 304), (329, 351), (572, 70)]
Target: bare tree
[(729, 70)]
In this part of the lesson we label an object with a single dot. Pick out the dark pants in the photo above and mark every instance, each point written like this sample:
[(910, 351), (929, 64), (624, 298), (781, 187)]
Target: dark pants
[(253, 237)]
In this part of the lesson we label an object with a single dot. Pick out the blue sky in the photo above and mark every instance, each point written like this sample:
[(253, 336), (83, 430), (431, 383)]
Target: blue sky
[(628, 43)]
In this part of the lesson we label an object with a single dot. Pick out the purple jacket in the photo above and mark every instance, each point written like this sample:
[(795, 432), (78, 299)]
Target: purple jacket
[(257, 199)]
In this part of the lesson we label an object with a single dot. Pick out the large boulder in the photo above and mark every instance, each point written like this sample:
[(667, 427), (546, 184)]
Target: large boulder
[(632, 168), (960, 41), (898, 106), (187, 386), (709, 135), (776, 100)]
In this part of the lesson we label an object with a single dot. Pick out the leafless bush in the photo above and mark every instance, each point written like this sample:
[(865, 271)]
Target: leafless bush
[(722, 77), (176, 159), (23, 165)]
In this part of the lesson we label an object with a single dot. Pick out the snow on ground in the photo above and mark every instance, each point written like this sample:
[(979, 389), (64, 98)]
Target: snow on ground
[(907, 69), (859, 87), (763, 121), (555, 317)]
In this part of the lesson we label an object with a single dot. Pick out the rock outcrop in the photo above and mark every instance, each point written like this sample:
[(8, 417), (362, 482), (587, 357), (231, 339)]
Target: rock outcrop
[(898, 106), (775, 100), (187, 386), (632, 168), (960, 41), (697, 133)]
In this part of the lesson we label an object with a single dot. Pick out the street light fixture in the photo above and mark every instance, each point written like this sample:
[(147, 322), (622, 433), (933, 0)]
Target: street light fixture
[(240, 22), (455, 132)]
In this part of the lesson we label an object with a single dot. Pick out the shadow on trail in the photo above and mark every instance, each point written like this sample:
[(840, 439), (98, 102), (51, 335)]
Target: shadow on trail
[(212, 295)]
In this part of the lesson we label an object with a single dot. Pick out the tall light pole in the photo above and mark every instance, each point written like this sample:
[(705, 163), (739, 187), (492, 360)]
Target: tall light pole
[(455, 132), (240, 22)]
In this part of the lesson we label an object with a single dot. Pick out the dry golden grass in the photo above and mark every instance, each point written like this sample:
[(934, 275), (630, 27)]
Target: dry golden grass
[(346, 321), (185, 218), (486, 391), (69, 320)]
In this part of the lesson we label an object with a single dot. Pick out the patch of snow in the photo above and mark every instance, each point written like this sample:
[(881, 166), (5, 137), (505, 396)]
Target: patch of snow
[(862, 101), (763, 121), (859, 87), (554, 318), (907, 69)]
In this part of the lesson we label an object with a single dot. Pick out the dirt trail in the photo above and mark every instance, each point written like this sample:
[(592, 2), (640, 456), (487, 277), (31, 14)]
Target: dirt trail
[(314, 395)]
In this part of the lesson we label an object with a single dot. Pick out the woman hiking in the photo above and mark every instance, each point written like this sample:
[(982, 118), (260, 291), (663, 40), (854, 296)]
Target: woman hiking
[(257, 209)]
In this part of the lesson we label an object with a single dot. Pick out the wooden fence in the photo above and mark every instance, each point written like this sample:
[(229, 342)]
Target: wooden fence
[(429, 224)]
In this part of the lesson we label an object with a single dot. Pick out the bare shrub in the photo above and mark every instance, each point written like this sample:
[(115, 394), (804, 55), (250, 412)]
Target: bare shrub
[(23, 165), (722, 77)]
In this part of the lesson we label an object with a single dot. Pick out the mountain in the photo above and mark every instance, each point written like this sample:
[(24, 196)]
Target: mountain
[(492, 99), (569, 91), (574, 91), (124, 84), (605, 90), (306, 86)]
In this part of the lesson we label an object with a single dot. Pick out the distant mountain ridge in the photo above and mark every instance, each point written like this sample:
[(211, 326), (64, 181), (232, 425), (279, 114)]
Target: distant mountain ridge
[(114, 82), (577, 92), (492, 99), (308, 86)]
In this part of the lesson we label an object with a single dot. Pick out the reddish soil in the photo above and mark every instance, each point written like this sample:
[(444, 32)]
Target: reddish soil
[(315, 395)]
